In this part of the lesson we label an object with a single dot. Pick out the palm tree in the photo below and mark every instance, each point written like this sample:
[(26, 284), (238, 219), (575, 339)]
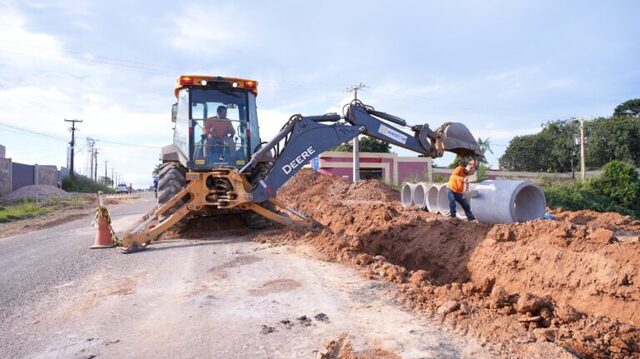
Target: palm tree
[(485, 146)]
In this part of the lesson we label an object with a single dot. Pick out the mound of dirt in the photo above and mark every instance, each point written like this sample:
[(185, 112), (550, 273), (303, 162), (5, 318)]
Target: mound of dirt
[(34, 192), (336, 188), (573, 281)]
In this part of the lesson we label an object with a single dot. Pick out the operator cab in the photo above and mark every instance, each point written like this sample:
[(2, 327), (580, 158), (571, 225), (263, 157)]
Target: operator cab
[(216, 122)]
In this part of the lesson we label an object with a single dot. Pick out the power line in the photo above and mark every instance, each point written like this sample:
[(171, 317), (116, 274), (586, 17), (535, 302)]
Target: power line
[(82, 58), (127, 144), (32, 132)]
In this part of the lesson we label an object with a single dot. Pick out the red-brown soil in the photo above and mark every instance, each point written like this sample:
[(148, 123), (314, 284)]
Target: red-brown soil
[(573, 281)]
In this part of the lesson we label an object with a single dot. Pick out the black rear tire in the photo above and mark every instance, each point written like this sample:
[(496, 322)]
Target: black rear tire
[(255, 221), (171, 180)]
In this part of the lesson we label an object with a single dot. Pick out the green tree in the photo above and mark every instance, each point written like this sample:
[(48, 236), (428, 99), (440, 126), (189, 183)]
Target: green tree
[(156, 170), (367, 144), (628, 108), (550, 150), (106, 180), (616, 138), (485, 146), (459, 161)]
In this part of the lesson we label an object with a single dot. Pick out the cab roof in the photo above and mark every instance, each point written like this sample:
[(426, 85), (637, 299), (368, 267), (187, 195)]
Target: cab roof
[(215, 82)]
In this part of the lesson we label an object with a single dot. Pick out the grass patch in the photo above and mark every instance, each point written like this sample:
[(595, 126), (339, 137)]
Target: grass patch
[(29, 209), (64, 201), (23, 210)]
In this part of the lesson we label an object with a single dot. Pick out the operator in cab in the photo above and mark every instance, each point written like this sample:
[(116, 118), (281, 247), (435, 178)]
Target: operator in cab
[(456, 188), (219, 132)]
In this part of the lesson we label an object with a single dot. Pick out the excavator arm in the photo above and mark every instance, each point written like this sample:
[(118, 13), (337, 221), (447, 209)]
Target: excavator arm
[(304, 137), (301, 138)]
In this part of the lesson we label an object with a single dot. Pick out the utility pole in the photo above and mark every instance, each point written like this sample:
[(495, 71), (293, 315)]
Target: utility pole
[(113, 179), (105, 172), (72, 143), (582, 151), (356, 144), (95, 163), (90, 148)]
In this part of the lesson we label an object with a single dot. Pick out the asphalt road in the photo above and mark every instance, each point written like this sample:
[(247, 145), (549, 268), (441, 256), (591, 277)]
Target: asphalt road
[(214, 298)]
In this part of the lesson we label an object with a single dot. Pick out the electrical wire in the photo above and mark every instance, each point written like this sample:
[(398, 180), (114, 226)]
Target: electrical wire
[(17, 129)]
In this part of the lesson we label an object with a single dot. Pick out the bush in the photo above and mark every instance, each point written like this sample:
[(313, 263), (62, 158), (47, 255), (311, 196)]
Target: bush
[(83, 184), (619, 181), (482, 173), (578, 196), (616, 190)]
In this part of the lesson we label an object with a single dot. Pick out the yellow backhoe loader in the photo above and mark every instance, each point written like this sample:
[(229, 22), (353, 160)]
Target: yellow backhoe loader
[(217, 162)]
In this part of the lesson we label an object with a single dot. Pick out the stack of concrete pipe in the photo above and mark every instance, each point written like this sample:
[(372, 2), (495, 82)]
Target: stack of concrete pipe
[(492, 201)]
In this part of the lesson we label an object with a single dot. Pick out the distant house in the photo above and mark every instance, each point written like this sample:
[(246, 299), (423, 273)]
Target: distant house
[(387, 167)]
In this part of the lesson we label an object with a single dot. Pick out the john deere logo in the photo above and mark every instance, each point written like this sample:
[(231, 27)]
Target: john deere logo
[(301, 159)]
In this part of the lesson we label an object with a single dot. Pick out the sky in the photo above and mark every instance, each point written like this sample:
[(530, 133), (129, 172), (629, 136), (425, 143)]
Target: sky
[(500, 67)]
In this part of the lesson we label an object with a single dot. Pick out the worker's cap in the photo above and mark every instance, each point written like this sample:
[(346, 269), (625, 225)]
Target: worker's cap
[(221, 108)]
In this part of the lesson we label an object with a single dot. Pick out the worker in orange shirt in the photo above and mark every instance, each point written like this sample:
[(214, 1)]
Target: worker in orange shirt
[(456, 187), (219, 132)]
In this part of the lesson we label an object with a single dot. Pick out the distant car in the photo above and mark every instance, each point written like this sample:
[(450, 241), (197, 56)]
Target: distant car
[(122, 188)]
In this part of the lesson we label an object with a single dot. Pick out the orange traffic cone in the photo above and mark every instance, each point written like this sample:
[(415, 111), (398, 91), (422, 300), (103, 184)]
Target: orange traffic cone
[(103, 235)]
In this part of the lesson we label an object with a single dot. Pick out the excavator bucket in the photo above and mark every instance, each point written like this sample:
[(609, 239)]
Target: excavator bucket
[(456, 137)]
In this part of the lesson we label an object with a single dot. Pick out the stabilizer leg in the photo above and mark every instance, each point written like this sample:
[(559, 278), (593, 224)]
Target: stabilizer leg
[(146, 232), (302, 220)]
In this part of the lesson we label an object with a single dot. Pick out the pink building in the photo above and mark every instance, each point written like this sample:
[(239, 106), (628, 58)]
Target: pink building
[(386, 166)]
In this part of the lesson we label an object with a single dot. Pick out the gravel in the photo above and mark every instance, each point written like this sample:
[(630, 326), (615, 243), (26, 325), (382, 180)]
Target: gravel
[(34, 192)]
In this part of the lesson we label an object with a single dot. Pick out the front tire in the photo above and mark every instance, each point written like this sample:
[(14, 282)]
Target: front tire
[(171, 180)]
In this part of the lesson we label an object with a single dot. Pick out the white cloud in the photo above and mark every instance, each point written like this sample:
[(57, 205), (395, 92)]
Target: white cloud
[(211, 30), (17, 43), (271, 121), (41, 85)]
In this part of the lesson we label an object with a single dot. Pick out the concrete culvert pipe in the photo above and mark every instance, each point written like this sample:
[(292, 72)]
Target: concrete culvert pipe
[(406, 195), (508, 202), (420, 195), (432, 198), (443, 200)]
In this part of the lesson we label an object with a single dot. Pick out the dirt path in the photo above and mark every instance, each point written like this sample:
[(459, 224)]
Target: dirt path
[(225, 298)]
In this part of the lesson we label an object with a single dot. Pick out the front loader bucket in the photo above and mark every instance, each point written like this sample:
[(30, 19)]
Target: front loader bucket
[(457, 138)]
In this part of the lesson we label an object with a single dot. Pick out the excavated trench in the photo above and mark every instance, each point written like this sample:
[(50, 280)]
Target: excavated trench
[(573, 281), (585, 261)]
